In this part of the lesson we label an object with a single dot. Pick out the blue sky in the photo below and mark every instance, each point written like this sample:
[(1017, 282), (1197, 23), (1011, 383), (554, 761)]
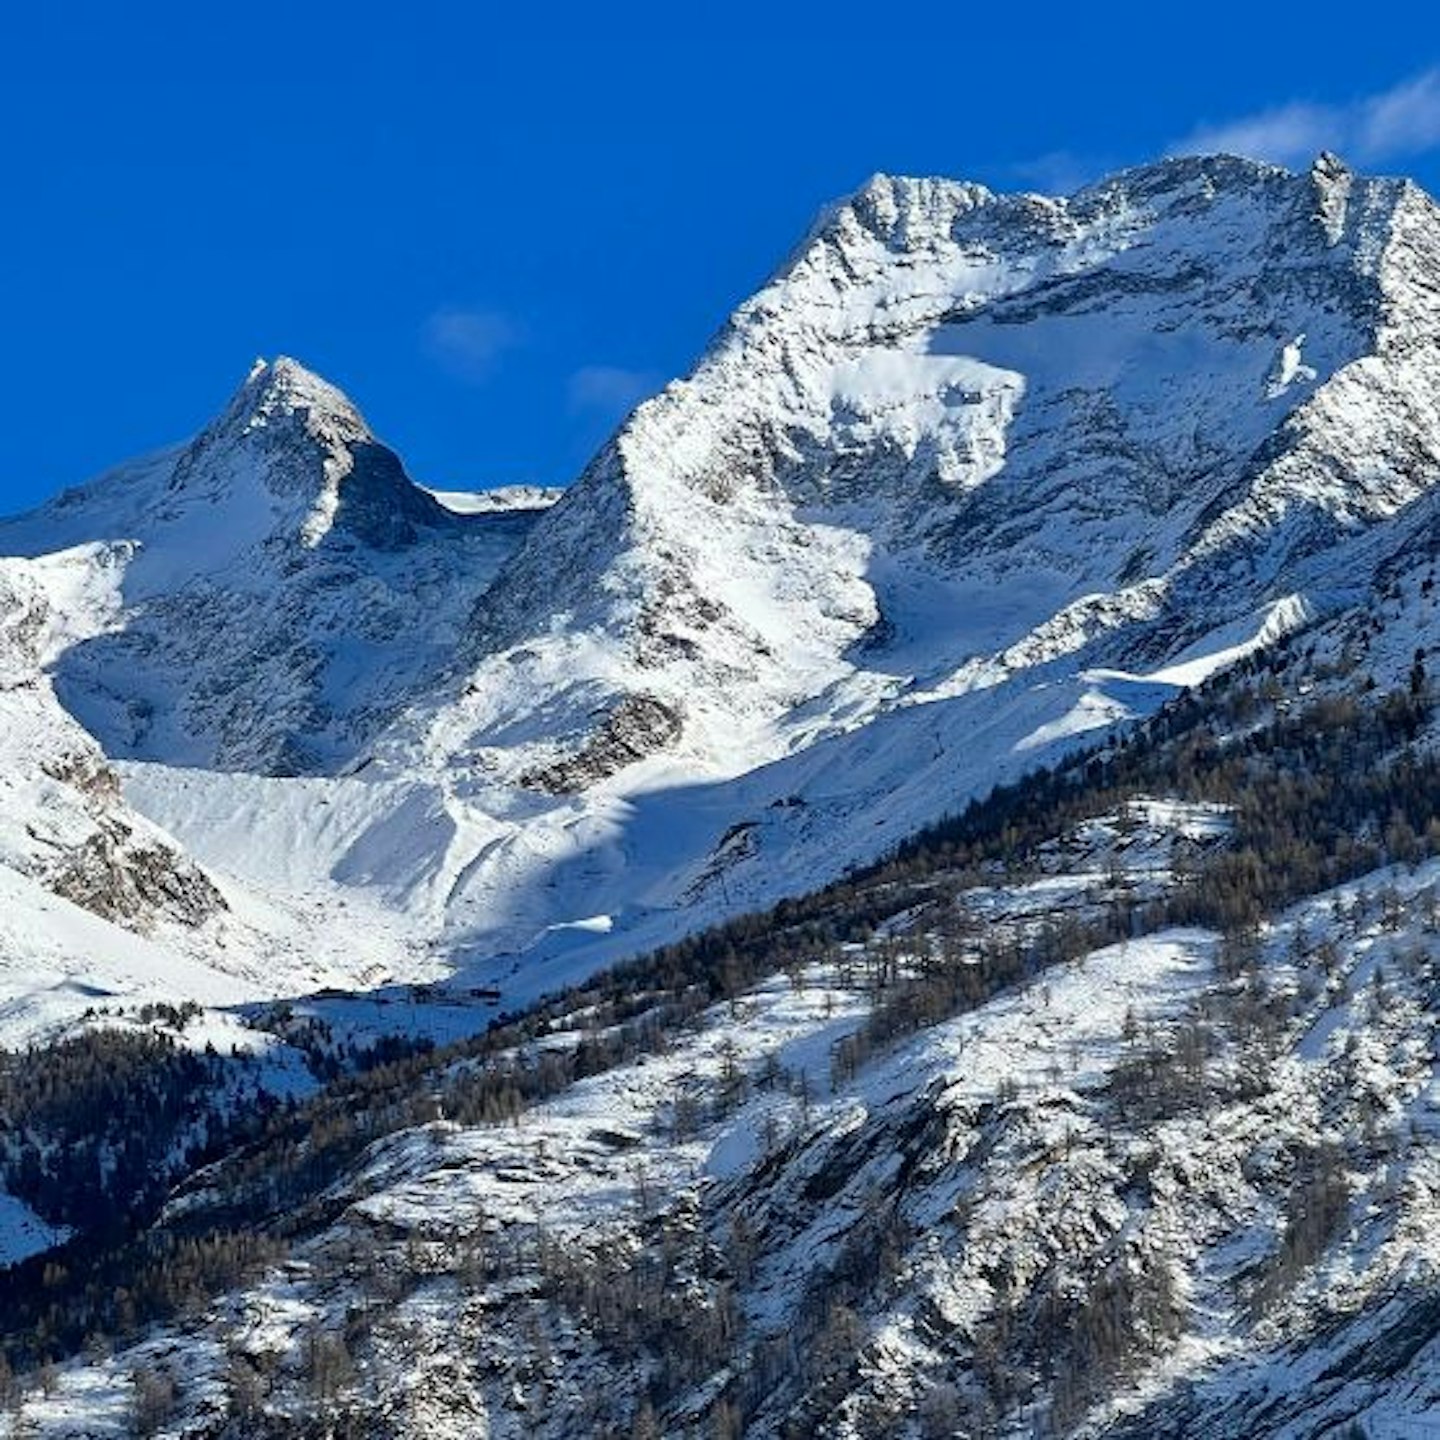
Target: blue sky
[(496, 227)]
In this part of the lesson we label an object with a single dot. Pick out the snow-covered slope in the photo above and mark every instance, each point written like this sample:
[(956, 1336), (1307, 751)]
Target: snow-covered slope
[(99, 904), (63, 821), (973, 476)]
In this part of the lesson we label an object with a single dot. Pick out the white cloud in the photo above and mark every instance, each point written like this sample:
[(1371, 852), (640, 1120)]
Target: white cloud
[(610, 390), (1405, 120), (1285, 135), (468, 342), (1399, 122)]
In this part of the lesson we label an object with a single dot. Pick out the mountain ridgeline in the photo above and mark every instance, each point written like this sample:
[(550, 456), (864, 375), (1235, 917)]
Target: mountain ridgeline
[(903, 901)]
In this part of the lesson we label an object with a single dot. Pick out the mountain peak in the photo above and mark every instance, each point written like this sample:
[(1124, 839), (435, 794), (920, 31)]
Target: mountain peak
[(903, 192), (1178, 177), (304, 440), (910, 213), (899, 210), (282, 387), (1329, 166)]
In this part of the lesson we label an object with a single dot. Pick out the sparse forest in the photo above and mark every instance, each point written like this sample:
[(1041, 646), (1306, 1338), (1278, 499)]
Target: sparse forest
[(670, 1303)]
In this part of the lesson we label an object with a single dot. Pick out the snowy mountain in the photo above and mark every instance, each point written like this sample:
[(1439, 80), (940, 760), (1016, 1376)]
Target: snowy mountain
[(972, 476), (1092, 408), (274, 586), (1102, 1106), (253, 598)]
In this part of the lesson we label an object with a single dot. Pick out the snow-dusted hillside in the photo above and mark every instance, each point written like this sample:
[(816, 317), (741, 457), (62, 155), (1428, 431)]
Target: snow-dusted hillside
[(995, 1141)]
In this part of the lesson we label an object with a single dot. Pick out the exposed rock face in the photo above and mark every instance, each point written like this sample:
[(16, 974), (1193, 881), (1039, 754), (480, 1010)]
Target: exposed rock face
[(117, 879), (64, 822), (637, 727)]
